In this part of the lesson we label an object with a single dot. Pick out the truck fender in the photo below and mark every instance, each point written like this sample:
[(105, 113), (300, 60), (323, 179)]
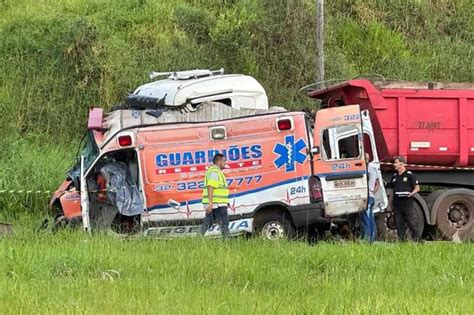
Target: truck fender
[(424, 207), (443, 194)]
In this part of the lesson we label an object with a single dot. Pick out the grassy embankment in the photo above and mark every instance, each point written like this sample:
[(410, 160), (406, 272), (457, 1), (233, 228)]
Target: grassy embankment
[(56, 59), (75, 273)]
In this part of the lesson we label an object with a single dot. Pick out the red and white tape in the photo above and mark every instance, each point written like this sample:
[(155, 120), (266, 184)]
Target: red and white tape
[(434, 166)]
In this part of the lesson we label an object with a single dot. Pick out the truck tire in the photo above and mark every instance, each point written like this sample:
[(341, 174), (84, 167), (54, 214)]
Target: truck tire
[(274, 227), (432, 231), (387, 230), (385, 222), (454, 210)]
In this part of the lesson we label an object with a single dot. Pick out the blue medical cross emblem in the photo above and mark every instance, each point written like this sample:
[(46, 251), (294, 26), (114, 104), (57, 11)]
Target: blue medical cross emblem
[(289, 153)]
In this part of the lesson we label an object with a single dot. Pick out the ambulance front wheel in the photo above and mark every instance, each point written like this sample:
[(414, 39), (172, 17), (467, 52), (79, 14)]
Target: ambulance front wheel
[(274, 227), (61, 222)]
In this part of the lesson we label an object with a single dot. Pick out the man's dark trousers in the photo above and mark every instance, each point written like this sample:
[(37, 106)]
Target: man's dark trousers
[(405, 213)]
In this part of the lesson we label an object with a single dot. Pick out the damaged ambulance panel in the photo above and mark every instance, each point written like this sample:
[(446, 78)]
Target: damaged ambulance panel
[(193, 87), (118, 120)]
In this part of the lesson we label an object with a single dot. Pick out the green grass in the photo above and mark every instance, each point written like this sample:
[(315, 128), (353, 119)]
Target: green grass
[(59, 57), (72, 272), (32, 162)]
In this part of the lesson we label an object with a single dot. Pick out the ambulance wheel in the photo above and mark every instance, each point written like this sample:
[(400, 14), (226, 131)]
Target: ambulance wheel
[(61, 222), (275, 227)]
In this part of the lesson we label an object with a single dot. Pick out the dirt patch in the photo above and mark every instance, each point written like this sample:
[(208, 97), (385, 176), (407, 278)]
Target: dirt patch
[(6, 230)]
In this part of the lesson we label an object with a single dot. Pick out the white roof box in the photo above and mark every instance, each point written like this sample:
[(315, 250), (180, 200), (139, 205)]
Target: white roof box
[(196, 86)]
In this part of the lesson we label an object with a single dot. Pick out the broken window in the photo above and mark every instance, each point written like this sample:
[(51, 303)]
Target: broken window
[(341, 142)]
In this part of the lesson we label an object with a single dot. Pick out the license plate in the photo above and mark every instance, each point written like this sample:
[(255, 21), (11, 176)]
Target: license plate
[(344, 183)]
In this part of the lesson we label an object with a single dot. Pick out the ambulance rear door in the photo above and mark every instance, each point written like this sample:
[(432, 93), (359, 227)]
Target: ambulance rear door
[(338, 160)]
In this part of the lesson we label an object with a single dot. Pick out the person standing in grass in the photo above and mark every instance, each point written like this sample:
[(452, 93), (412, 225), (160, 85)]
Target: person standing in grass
[(215, 197), (405, 186), (367, 217)]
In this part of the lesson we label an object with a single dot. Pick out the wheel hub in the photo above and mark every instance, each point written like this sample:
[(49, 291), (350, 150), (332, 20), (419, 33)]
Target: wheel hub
[(458, 215), (273, 231), (390, 223)]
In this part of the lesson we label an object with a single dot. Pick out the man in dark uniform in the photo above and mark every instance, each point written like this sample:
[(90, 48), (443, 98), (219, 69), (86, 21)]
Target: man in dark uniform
[(405, 186)]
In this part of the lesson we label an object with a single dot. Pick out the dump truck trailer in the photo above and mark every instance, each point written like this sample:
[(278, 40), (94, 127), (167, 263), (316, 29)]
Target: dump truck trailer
[(431, 125)]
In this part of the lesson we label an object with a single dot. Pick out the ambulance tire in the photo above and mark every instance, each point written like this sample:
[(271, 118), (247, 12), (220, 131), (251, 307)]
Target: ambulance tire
[(274, 227), (61, 222)]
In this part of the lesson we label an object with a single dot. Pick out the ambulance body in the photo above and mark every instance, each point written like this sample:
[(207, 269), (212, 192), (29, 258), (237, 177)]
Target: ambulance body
[(286, 171)]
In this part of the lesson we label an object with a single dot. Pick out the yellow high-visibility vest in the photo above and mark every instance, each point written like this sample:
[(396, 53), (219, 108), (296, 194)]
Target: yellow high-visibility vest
[(221, 191)]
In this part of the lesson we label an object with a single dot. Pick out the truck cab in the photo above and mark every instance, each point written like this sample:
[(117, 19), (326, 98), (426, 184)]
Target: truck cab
[(431, 125)]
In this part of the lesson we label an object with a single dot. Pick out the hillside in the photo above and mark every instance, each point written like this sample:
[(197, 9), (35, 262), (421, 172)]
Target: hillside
[(59, 58), (56, 60)]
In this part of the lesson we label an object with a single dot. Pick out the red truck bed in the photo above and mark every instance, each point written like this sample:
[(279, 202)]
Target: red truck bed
[(427, 123)]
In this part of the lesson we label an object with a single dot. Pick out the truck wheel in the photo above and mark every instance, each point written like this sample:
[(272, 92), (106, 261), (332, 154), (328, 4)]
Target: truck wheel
[(385, 221), (274, 227), (387, 229), (455, 215)]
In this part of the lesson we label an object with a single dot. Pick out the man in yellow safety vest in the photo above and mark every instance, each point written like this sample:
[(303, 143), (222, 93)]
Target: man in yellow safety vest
[(215, 197)]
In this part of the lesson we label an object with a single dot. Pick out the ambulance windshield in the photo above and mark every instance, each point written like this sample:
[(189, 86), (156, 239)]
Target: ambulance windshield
[(90, 152)]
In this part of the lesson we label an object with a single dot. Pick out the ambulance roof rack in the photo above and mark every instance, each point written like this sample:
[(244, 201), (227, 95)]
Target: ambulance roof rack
[(187, 74)]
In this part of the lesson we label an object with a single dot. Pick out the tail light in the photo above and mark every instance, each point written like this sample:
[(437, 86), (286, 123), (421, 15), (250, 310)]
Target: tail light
[(284, 124), (125, 141), (315, 189)]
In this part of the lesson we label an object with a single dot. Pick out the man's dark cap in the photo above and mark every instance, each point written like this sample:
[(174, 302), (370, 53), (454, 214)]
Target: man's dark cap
[(401, 159)]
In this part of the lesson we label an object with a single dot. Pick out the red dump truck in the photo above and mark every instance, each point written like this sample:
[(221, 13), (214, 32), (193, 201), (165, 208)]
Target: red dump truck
[(431, 125)]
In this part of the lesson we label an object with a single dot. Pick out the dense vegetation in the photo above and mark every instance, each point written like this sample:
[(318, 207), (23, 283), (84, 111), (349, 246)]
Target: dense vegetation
[(57, 58)]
